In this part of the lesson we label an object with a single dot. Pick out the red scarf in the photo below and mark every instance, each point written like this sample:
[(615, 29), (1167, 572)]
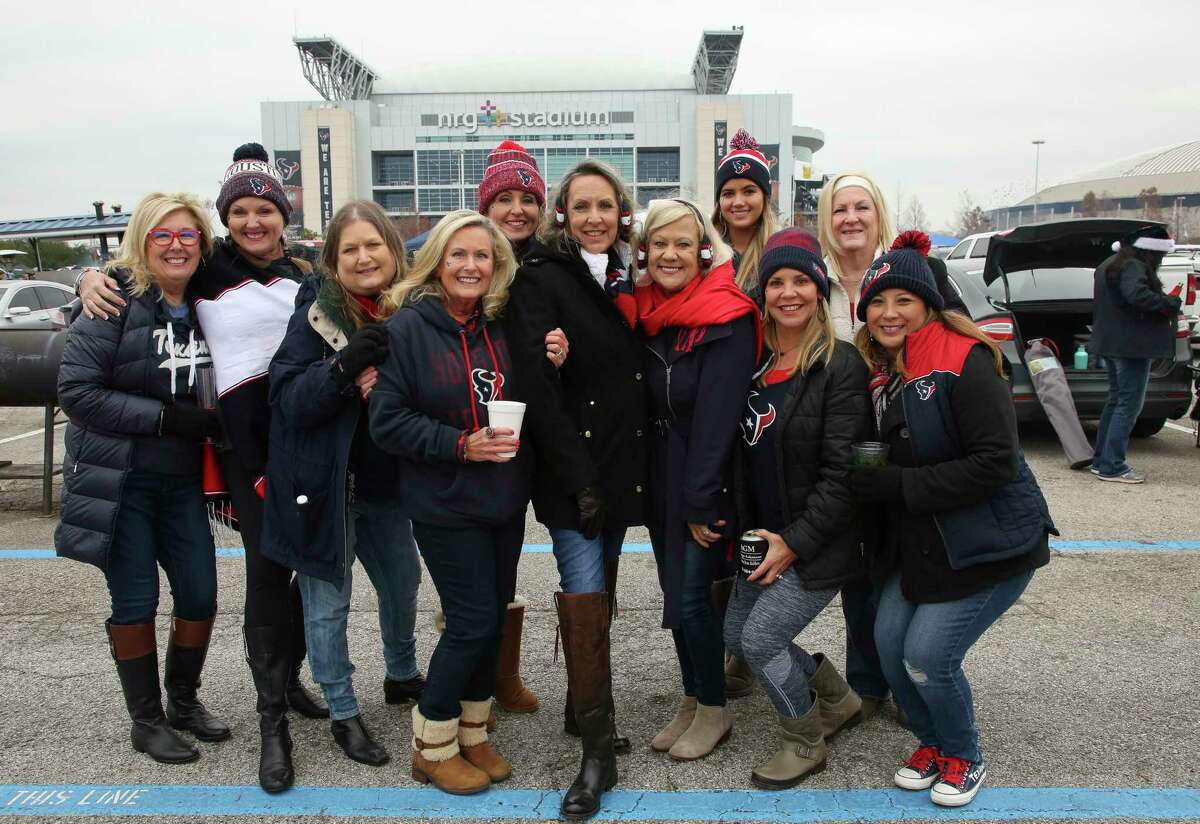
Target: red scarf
[(369, 305), (710, 299)]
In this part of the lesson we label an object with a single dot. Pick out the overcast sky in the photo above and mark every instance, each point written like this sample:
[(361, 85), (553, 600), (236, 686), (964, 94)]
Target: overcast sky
[(108, 101)]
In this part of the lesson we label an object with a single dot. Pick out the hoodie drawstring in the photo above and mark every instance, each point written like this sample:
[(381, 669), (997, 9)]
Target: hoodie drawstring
[(487, 339), (171, 355)]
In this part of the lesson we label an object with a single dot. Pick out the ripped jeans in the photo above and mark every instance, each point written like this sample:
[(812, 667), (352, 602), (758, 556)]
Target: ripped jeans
[(921, 648), (761, 625)]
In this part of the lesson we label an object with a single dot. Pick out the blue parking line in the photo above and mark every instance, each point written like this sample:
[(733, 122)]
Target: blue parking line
[(993, 803), (1057, 546)]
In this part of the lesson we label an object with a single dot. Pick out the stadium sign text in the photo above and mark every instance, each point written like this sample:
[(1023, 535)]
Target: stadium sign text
[(491, 115)]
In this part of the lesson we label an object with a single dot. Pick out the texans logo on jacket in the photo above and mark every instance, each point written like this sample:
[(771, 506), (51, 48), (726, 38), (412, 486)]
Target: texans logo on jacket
[(757, 420), (925, 389), (487, 384)]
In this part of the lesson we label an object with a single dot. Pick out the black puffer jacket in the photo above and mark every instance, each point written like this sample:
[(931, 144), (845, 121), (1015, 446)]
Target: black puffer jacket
[(592, 429), (823, 413), (112, 388)]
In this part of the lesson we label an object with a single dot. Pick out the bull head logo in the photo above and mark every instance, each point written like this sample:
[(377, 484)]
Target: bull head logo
[(925, 389), (756, 420), (487, 385)]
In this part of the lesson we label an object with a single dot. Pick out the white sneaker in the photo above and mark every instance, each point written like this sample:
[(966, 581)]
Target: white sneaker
[(920, 771)]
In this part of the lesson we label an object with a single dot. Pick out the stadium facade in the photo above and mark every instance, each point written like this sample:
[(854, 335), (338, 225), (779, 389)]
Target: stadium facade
[(421, 152)]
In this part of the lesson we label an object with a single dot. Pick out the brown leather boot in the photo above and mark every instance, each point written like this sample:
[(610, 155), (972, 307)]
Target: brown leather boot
[(511, 693), (584, 620), (437, 759), (473, 741)]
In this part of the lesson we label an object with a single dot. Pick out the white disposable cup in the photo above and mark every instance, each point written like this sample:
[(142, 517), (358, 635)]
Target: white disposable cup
[(507, 414)]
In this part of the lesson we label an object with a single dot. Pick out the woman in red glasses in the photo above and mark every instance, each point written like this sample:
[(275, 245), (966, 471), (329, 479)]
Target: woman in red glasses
[(132, 499)]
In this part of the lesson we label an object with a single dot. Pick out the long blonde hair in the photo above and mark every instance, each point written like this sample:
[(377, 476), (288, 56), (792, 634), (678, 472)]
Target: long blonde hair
[(148, 214), (816, 344), (423, 278), (768, 224), (878, 358), (369, 212), (887, 226), (665, 212)]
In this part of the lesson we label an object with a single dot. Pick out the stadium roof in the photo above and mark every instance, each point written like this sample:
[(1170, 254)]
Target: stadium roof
[(64, 227), (1172, 170)]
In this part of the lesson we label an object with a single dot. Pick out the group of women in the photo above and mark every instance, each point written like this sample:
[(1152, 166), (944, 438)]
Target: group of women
[(704, 377)]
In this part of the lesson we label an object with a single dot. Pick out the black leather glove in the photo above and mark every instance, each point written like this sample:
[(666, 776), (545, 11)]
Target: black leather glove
[(877, 484), (591, 511), (366, 347), (190, 422)]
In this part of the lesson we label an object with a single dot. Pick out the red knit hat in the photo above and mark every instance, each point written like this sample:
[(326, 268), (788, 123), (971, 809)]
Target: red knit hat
[(510, 167)]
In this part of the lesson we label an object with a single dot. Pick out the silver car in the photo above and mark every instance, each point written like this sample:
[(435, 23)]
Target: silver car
[(34, 304), (1037, 282)]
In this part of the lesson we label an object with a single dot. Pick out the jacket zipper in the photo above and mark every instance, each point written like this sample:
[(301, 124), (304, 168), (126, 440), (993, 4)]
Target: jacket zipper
[(933, 515), (668, 367)]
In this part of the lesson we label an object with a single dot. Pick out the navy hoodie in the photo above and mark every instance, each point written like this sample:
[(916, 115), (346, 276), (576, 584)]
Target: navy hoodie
[(433, 388)]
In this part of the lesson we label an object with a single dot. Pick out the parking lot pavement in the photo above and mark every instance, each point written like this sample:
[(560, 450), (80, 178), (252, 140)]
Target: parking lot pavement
[(1085, 691)]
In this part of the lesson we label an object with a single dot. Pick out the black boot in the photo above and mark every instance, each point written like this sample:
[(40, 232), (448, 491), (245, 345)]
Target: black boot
[(135, 652), (300, 699), (355, 740), (270, 663), (584, 621), (185, 659), (298, 696), (611, 566)]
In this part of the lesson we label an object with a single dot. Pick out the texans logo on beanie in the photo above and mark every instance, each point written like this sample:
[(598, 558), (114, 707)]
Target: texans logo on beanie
[(906, 267), (252, 175), (793, 249), (510, 167), (744, 160)]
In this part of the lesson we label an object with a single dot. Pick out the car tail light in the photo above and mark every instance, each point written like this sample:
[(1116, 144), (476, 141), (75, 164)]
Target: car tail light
[(58, 317), (1182, 327), (1191, 289), (997, 327)]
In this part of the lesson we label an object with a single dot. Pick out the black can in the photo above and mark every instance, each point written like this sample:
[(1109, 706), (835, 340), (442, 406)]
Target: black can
[(752, 551)]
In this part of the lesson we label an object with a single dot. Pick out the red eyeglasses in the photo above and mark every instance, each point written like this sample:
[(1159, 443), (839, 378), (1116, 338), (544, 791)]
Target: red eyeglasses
[(165, 237)]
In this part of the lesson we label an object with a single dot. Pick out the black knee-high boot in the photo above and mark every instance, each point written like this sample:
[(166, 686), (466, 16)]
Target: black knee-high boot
[(269, 657), (135, 651)]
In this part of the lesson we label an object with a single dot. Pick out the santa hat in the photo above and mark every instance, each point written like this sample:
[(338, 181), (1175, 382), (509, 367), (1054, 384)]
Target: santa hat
[(252, 175), (510, 167), (744, 160), (1152, 239)]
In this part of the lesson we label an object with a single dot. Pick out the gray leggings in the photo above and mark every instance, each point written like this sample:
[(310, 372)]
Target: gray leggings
[(760, 626)]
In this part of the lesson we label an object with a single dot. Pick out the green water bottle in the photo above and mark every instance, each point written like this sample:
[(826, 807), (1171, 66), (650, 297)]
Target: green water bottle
[(1081, 357)]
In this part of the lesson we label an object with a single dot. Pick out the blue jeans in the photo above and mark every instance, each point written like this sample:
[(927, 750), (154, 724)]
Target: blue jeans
[(466, 565), (699, 640), (921, 648), (581, 560), (863, 672), (162, 521), (1127, 379), (383, 542)]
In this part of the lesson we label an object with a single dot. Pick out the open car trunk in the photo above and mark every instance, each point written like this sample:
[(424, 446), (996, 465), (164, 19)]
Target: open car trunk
[(1066, 322)]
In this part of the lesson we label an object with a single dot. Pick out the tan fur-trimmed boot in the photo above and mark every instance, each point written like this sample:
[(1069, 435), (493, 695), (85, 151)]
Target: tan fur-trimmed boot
[(437, 758), (841, 708), (473, 740)]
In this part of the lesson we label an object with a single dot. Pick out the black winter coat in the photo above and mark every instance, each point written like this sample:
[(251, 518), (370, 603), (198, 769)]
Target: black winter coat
[(1132, 318), (316, 415), (697, 394), (823, 413), (110, 386), (592, 428)]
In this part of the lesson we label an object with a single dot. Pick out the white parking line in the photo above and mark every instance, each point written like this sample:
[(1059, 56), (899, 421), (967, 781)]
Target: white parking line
[(39, 432), (1170, 425)]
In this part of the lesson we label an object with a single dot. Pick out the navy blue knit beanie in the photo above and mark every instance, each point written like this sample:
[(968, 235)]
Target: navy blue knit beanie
[(792, 249), (904, 267)]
